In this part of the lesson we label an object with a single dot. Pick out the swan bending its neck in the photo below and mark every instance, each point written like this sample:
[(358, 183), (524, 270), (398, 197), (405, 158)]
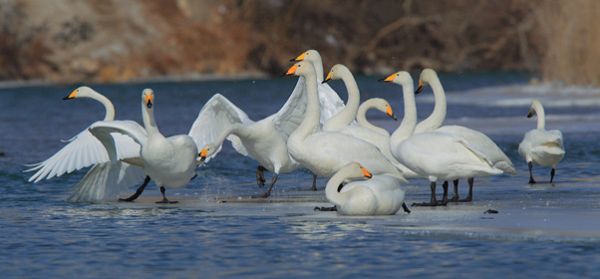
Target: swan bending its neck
[(538, 109), (373, 103), (86, 92), (407, 126), (350, 171), (436, 119), (348, 113)]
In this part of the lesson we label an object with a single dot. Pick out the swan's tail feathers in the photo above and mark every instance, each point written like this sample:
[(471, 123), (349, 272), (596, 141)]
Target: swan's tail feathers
[(105, 182)]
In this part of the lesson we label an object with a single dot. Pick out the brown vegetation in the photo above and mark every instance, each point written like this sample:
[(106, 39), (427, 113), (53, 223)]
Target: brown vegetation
[(112, 40)]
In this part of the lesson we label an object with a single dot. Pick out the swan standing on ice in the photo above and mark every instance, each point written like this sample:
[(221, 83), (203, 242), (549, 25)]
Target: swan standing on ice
[(342, 122), (171, 162), (379, 195), (540, 146), (434, 155), (324, 153), (478, 140), (84, 150)]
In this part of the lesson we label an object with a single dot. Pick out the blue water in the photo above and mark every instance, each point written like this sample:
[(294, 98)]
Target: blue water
[(41, 235)]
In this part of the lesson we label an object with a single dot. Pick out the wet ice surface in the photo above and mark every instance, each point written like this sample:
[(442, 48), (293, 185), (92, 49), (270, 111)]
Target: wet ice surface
[(542, 230)]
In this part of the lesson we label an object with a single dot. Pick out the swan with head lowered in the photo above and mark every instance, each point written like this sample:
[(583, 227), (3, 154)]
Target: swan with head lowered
[(540, 146), (342, 122), (84, 150), (434, 155), (263, 140), (378, 195), (322, 152), (171, 162), (478, 140)]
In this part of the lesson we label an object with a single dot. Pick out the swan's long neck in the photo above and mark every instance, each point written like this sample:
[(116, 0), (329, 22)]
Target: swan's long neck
[(318, 64), (148, 118), (437, 117), (541, 115), (407, 126), (108, 106), (348, 113), (235, 129), (331, 189), (361, 116), (310, 123)]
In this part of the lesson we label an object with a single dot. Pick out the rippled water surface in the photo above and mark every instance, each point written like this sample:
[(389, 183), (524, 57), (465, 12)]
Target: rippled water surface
[(542, 231)]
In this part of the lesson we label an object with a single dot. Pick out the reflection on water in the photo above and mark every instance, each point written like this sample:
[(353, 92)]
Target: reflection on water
[(543, 230)]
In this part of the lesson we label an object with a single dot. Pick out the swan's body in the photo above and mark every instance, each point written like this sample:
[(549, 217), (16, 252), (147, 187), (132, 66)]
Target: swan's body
[(476, 140), (84, 150), (434, 155), (170, 162), (324, 153), (380, 195), (539, 146)]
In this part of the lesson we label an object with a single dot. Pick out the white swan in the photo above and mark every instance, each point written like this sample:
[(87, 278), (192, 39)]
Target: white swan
[(265, 140), (324, 153), (171, 162), (84, 150), (540, 146), (378, 104), (478, 140), (434, 155), (379, 195), (342, 122)]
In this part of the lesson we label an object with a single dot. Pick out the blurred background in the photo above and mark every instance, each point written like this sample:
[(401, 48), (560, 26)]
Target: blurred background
[(125, 40)]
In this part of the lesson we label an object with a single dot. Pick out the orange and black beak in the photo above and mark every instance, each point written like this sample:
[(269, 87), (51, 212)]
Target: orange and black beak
[(71, 95), (328, 78), (299, 57), (366, 173), (419, 87), (203, 154), (292, 70), (531, 113), (389, 78), (390, 113), (149, 99)]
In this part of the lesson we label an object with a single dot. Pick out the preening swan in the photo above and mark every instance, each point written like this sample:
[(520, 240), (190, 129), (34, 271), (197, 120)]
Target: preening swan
[(342, 122), (379, 195), (434, 155), (540, 146), (84, 150), (171, 162), (324, 153), (483, 143)]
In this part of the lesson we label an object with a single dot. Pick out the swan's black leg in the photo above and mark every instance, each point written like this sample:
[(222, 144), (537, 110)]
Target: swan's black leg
[(405, 208), (455, 198), (433, 201), (531, 180), (470, 195), (268, 192), (138, 192), (552, 173), (314, 185), (164, 200), (324, 208), (260, 176), (445, 195)]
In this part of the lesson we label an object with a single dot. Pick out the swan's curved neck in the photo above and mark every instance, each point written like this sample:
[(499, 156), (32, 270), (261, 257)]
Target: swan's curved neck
[(108, 106), (331, 189), (310, 123), (318, 64), (348, 113), (541, 116), (235, 129), (437, 117), (361, 117), (407, 126), (148, 118)]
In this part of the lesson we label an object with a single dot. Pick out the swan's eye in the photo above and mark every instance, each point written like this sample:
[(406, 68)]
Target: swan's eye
[(299, 66), (397, 75), (308, 53)]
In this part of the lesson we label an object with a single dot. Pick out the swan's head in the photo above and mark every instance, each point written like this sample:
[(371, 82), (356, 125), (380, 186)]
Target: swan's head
[(207, 151), (336, 72), (402, 77), (427, 75), (309, 55), (355, 170), (389, 112), (532, 109), (81, 92), (301, 68), (148, 97)]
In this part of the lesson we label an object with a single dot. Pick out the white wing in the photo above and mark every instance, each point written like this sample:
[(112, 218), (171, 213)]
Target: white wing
[(103, 131), (215, 118), (82, 151), (330, 101), (106, 181)]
